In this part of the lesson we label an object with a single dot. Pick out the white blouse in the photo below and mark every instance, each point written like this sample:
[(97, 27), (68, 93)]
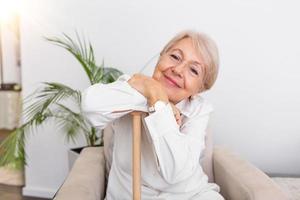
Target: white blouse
[(170, 166)]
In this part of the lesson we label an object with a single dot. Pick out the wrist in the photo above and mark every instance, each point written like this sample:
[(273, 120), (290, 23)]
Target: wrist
[(154, 98), (157, 106)]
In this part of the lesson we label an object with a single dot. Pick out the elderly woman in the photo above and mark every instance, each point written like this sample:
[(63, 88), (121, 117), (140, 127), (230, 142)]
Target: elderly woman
[(175, 118)]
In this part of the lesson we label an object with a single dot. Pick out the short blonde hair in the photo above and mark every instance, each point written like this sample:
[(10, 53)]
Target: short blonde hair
[(208, 51)]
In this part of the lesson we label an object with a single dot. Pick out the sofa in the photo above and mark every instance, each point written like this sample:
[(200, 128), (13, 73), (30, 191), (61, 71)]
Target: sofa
[(238, 179)]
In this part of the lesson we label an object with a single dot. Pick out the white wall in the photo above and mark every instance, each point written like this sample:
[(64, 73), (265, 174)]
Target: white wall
[(256, 97)]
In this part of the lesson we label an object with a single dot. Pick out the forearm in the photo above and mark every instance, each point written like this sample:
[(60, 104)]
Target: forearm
[(102, 103)]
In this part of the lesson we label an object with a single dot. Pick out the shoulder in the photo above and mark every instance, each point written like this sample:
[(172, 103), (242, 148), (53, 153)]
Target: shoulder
[(202, 106), (198, 106), (205, 106)]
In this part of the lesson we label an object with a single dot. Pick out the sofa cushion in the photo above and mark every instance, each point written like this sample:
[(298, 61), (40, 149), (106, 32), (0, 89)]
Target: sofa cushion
[(86, 179), (240, 180), (290, 185)]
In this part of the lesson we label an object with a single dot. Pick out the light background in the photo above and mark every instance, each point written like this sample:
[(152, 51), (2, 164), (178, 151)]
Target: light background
[(256, 96)]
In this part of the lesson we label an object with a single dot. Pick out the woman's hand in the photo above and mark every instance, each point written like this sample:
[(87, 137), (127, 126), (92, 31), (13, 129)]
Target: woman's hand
[(177, 114), (153, 91), (149, 88)]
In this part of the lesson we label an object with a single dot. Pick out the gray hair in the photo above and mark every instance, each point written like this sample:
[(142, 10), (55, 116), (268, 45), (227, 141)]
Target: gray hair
[(208, 51)]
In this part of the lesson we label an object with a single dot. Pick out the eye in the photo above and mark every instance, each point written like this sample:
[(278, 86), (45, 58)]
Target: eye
[(175, 57), (194, 71)]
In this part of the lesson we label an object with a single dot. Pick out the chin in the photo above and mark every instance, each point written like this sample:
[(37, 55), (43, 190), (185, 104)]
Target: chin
[(172, 99)]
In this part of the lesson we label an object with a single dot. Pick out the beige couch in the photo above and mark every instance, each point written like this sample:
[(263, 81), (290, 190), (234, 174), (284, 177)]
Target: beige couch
[(237, 178)]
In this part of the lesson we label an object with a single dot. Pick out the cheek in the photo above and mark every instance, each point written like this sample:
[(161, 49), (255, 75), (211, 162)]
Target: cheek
[(162, 65), (158, 72), (193, 87)]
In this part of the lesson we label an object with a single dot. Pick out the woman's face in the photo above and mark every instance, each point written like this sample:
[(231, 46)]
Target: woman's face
[(180, 71)]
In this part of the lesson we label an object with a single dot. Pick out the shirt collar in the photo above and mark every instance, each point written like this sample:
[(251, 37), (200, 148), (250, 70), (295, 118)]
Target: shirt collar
[(188, 106)]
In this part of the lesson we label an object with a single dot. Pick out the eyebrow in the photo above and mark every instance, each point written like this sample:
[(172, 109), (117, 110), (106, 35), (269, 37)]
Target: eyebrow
[(196, 62)]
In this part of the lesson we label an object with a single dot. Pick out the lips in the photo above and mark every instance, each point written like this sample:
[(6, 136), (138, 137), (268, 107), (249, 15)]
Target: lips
[(172, 81)]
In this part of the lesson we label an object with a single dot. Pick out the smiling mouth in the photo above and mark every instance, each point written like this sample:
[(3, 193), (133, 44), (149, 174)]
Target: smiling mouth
[(171, 81)]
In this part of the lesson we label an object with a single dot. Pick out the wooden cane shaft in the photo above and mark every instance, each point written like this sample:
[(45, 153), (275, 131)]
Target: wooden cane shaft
[(136, 155)]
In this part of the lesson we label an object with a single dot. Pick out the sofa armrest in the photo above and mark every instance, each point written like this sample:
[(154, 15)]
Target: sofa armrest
[(86, 180), (240, 180)]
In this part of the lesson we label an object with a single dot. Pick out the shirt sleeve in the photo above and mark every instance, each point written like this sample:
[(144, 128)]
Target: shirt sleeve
[(103, 103), (178, 149)]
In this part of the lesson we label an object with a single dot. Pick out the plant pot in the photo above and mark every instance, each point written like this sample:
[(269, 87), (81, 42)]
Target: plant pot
[(73, 154)]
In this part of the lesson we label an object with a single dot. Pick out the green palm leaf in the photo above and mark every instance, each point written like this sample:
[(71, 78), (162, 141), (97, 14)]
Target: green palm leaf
[(110, 75), (12, 152), (72, 123), (83, 53), (48, 95), (50, 100), (12, 149)]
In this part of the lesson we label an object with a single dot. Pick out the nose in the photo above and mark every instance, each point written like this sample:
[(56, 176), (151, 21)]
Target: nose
[(178, 69)]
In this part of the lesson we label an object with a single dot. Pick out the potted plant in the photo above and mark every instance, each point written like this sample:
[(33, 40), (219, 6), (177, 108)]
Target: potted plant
[(48, 102)]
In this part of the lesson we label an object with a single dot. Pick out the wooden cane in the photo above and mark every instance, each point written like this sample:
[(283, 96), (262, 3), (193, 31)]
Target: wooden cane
[(136, 155)]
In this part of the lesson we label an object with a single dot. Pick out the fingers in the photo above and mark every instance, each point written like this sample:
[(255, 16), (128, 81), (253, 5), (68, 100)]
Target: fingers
[(178, 119), (177, 114), (149, 88)]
